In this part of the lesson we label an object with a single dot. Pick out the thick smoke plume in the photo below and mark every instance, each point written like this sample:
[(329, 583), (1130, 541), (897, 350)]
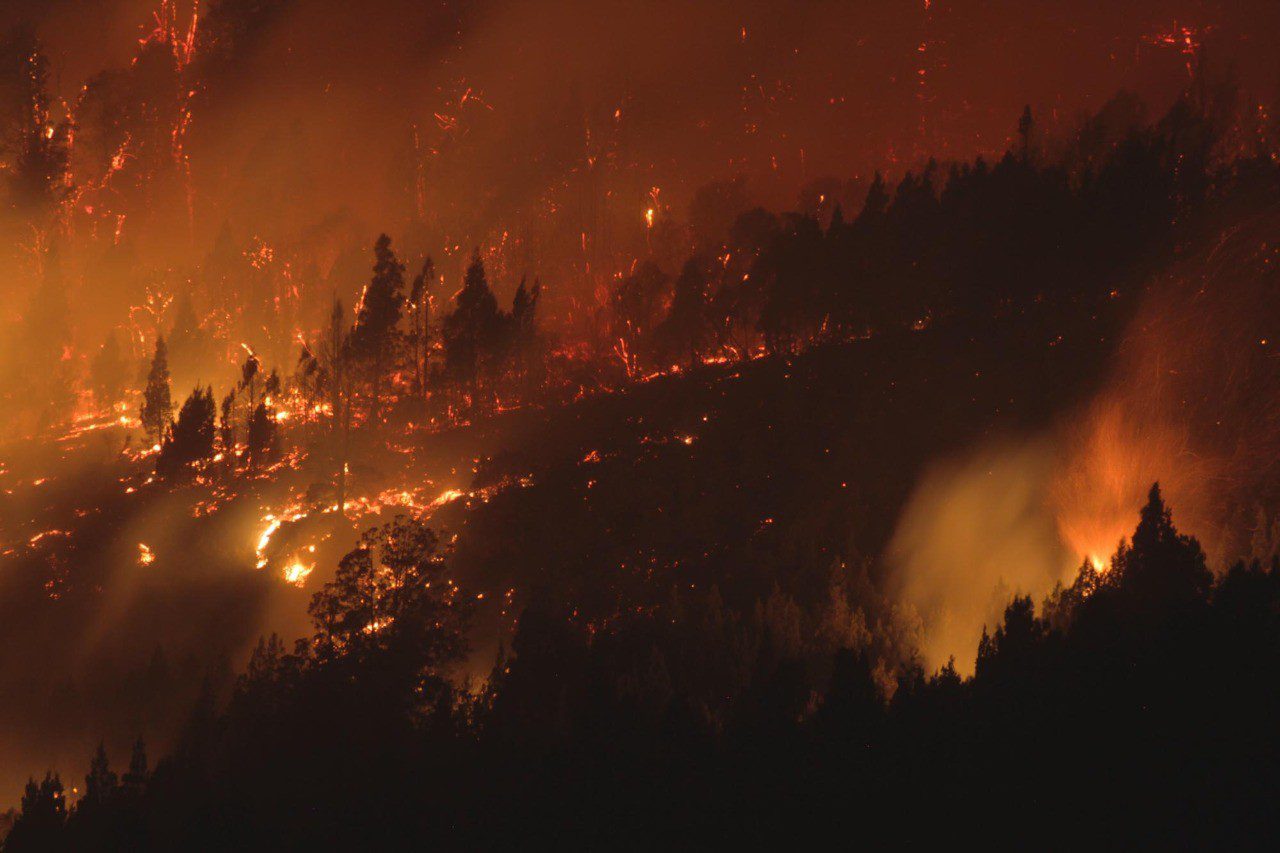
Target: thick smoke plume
[(1190, 402)]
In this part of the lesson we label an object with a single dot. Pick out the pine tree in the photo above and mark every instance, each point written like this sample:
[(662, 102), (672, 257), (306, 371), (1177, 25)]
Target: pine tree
[(100, 783), (877, 201), (37, 156), (471, 331), (135, 780), (524, 327), (157, 405), (192, 436), (375, 336), (1161, 569), (262, 436), (40, 824)]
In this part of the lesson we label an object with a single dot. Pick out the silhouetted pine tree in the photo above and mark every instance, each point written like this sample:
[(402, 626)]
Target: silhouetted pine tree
[(472, 330), (192, 436), (39, 825), (375, 337), (157, 405), (262, 436)]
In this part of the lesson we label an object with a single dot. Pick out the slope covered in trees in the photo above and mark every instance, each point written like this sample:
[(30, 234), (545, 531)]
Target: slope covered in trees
[(1138, 702), (660, 537)]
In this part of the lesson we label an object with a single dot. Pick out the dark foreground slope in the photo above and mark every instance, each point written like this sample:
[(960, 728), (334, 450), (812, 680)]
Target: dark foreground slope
[(704, 652)]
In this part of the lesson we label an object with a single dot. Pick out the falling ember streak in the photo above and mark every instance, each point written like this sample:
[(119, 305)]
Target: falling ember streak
[(1186, 40)]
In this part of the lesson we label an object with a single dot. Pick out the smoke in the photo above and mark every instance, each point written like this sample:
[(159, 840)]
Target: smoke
[(978, 529), (1191, 400), (539, 132)]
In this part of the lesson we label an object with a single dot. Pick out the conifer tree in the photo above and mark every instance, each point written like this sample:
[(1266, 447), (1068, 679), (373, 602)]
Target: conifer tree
[(157, 405), (472, 329), (192, 436), (375, 336), (136, 779), (100, 782)]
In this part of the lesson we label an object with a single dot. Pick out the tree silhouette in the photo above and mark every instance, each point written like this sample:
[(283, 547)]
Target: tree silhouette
[(262, 437), (157, 405), (37, 157), (100, 784), (192, 437), (1162, 569), (684, 331), (135, 780), (472, 331), (42, 818), (375, 336), (390, 617)]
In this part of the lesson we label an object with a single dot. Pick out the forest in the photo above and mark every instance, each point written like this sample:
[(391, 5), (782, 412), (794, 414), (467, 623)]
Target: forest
[(941, 502)]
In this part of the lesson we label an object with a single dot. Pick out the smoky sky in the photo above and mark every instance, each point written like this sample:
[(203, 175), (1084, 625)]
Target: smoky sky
[(543, 131), (713, 87)]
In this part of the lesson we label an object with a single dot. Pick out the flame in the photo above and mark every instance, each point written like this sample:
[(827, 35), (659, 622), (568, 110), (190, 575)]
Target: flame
[(297, 572)]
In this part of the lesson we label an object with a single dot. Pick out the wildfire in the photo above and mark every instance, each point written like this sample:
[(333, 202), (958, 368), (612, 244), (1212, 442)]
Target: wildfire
[(145, 555), (273, 524), (1186, 40), (297, 572)]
